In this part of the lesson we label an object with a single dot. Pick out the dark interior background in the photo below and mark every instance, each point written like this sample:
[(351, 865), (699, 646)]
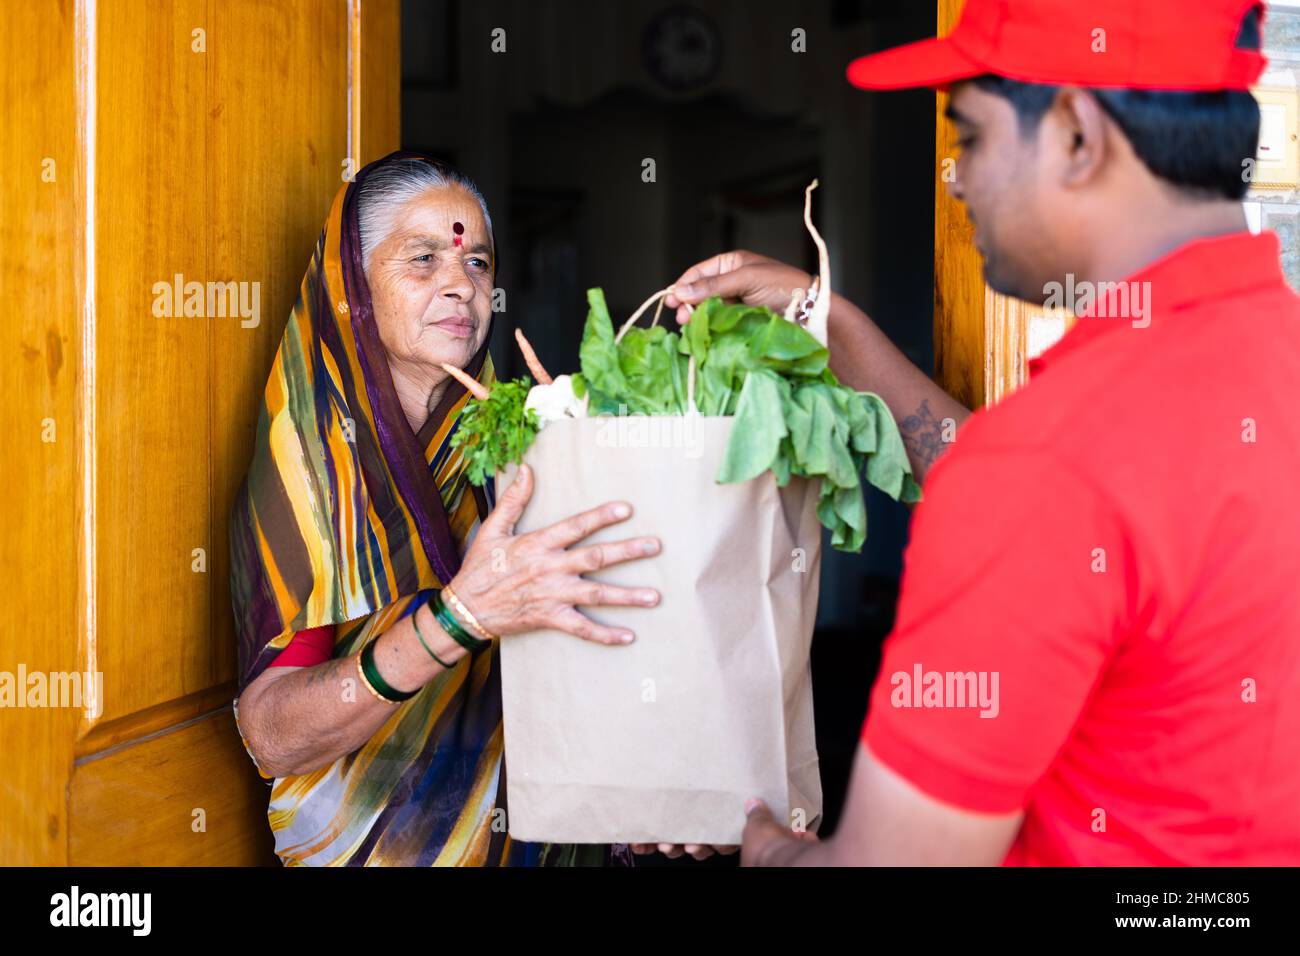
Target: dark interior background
[(555, 130)]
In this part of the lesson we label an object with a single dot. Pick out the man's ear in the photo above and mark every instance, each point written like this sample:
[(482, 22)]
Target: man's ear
[(1078, 130)]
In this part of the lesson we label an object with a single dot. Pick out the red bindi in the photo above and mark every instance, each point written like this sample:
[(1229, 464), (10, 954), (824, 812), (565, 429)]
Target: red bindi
[(458, 229)]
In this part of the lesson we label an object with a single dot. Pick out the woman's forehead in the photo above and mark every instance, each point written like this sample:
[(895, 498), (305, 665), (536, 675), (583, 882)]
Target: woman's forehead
[(438, 210)]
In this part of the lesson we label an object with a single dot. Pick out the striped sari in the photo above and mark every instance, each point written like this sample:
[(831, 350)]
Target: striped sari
[(344, 517)]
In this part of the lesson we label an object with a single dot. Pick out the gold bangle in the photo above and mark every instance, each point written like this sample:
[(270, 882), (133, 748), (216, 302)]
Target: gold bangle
[(459, 605), (366, 684)]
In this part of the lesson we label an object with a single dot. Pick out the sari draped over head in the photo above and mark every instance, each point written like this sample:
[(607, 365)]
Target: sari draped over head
[(345, 516)]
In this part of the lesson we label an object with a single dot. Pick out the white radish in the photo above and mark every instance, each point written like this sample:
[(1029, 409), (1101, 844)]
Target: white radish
[(792, 310), (555, 401), (821, 310)]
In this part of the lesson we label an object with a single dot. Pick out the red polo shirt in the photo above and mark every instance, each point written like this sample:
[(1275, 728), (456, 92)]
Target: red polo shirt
[(1099, 621)]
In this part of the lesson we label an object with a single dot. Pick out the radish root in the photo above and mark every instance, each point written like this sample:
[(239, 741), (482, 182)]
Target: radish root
[(821, 310), (792, 310)]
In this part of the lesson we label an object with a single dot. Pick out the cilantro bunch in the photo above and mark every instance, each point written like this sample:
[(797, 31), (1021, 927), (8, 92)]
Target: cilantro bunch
[(496, 431), (793, 417)]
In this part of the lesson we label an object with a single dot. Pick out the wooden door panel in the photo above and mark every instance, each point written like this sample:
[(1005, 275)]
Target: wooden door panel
[(180, 798), (218, 164), (272, 212), (151, 428), (981, 338), (958, 274), (41, 282)]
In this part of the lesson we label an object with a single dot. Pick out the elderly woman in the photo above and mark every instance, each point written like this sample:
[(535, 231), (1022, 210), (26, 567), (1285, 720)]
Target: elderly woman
[(368, 621)]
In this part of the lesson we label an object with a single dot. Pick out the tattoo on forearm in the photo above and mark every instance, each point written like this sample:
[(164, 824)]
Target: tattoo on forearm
[(925, 436)]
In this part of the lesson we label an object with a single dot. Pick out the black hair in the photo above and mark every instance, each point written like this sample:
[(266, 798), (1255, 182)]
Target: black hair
[(1198, 141)]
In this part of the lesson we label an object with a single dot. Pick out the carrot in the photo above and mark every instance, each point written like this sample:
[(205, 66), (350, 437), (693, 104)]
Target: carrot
[(472, 386), (530, 359)]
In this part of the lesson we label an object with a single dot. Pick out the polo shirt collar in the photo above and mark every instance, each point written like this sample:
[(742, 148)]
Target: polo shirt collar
[(1203, 269)]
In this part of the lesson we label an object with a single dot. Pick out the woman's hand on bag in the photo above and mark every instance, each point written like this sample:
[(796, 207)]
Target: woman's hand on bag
[(528, 582), (737, 276)]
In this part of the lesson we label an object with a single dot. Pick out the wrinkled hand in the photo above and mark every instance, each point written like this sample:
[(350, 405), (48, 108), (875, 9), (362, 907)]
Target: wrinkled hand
[(699, 851), (517, 583), (737, 276), (767, 842)]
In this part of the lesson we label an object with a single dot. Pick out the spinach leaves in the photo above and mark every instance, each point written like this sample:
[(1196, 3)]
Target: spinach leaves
[(793, 417)]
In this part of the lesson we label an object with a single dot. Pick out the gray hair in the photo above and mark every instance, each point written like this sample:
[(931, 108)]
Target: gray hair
[(394, 184)]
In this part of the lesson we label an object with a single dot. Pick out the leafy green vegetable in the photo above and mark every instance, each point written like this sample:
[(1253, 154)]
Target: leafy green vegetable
[(496, 431), (602, 374), (759, 411), (793, 417)]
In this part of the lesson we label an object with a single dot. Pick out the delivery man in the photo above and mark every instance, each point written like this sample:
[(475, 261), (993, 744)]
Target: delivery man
[(1097, 651)]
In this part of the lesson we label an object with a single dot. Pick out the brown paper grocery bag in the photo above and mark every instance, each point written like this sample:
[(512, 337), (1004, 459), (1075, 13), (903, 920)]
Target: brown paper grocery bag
[(663, 740)]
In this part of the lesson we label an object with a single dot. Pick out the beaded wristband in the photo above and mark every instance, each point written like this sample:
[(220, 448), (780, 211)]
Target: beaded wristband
[(371, 677), (453, 627)]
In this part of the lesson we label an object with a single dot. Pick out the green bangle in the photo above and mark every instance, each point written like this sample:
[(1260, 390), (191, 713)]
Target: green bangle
[(453, 626), (415, 620), (381, 686)]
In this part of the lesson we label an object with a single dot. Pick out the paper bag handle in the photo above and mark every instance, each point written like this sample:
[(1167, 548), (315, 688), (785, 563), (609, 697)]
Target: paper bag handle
[(657, 297), (690, 366)]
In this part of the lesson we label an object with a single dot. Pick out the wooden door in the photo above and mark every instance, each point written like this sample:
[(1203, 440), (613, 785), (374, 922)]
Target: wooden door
[(148, 140), (982, 340)]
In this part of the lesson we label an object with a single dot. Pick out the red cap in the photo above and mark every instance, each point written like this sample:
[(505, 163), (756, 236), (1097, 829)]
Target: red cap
[(1133, 44)]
